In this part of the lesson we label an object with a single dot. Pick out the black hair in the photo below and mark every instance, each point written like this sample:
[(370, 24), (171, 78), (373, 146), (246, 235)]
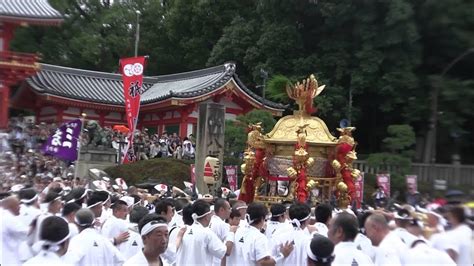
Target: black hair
[(220, 203), (54, 229), (70, 208), (234, 213), (179, 204), (187, 214), (102, 195), (257, 212), (200, 207), (136, 198), (277, 210), (93, 199), (349, 225), (458, 213), (148, 218), (27, 194), (137, 213), (323, 249), (50, 197), (119, 204), (162, 206), (323, 212), (299, 211)]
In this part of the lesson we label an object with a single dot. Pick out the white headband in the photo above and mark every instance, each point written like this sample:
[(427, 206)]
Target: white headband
[(26, 201), (52, 246), (247, 217), (195, 216), (242, 207), (297, 223), (327, 259), (95, 204), (151, 226), (82, 225)]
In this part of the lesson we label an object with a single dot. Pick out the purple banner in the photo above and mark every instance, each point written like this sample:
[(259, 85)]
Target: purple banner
[(63, 143)]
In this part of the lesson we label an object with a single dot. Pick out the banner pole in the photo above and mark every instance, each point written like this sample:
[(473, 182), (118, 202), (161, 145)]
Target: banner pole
[(79, 144)]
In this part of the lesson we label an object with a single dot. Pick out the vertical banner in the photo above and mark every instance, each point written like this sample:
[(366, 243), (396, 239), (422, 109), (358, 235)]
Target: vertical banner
[(412, 185), (192, 168), (64, 142), (359, 189), (383, 180), (231, 172), (132, 75)]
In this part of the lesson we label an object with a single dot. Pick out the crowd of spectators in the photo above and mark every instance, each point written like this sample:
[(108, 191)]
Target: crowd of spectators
[(22, 160)]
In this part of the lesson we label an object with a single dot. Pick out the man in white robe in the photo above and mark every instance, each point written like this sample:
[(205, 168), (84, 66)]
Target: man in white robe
[(115, 227), (13, 230), (277, 220), (390, 248), (199, 244), (154, 232), (323, 213), (89, 247), (296, 238), (54, 242), (342, 231)]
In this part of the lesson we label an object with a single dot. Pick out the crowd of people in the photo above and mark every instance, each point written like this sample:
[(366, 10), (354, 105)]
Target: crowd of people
[(22, 159), (165, 226)]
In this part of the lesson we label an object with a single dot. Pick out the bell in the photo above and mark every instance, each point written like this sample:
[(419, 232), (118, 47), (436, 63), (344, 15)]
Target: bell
[(341, 186), (291, 172), (336, 165), (310, 162), (243, 167), (355, 174), (311, 184)]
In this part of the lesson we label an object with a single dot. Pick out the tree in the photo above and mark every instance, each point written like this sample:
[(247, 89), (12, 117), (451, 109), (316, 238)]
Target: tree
[(236, 131), (397, 154)]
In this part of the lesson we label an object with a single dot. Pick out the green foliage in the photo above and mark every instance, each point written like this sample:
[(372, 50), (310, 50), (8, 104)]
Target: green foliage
[(397, 159), (159, 170), (389, 54), (236, 131), (276, 88), (399, 145)]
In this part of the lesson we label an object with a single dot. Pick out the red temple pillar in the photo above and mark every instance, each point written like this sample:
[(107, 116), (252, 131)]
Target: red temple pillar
[(183, 124), (4, 105)]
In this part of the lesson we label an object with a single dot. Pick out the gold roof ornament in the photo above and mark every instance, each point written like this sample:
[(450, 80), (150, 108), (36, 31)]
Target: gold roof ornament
[(304, 93), (316, 131)]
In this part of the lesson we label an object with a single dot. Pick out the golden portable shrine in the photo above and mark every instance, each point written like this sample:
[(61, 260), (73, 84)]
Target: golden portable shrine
[(299, 159)]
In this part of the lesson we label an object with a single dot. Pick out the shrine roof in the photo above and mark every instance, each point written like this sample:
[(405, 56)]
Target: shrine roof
[(107, 88), (30, 11)]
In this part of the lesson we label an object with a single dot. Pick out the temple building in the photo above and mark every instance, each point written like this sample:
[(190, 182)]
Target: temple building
[(15, 67), (169, 103)]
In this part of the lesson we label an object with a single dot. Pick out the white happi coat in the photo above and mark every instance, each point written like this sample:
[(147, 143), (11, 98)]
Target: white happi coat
[(139, 259), (390, 250), (113, 227), (364, 244), (322, 229), (13, 233), (45, 258), (423, 254), (405, 236), (254, 246), (221, 229), (90, 248), (235, 257), (133, 245), (198, 246), (28, 213), (273, 226), (459, 240), (299, 238), (347, 254)]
